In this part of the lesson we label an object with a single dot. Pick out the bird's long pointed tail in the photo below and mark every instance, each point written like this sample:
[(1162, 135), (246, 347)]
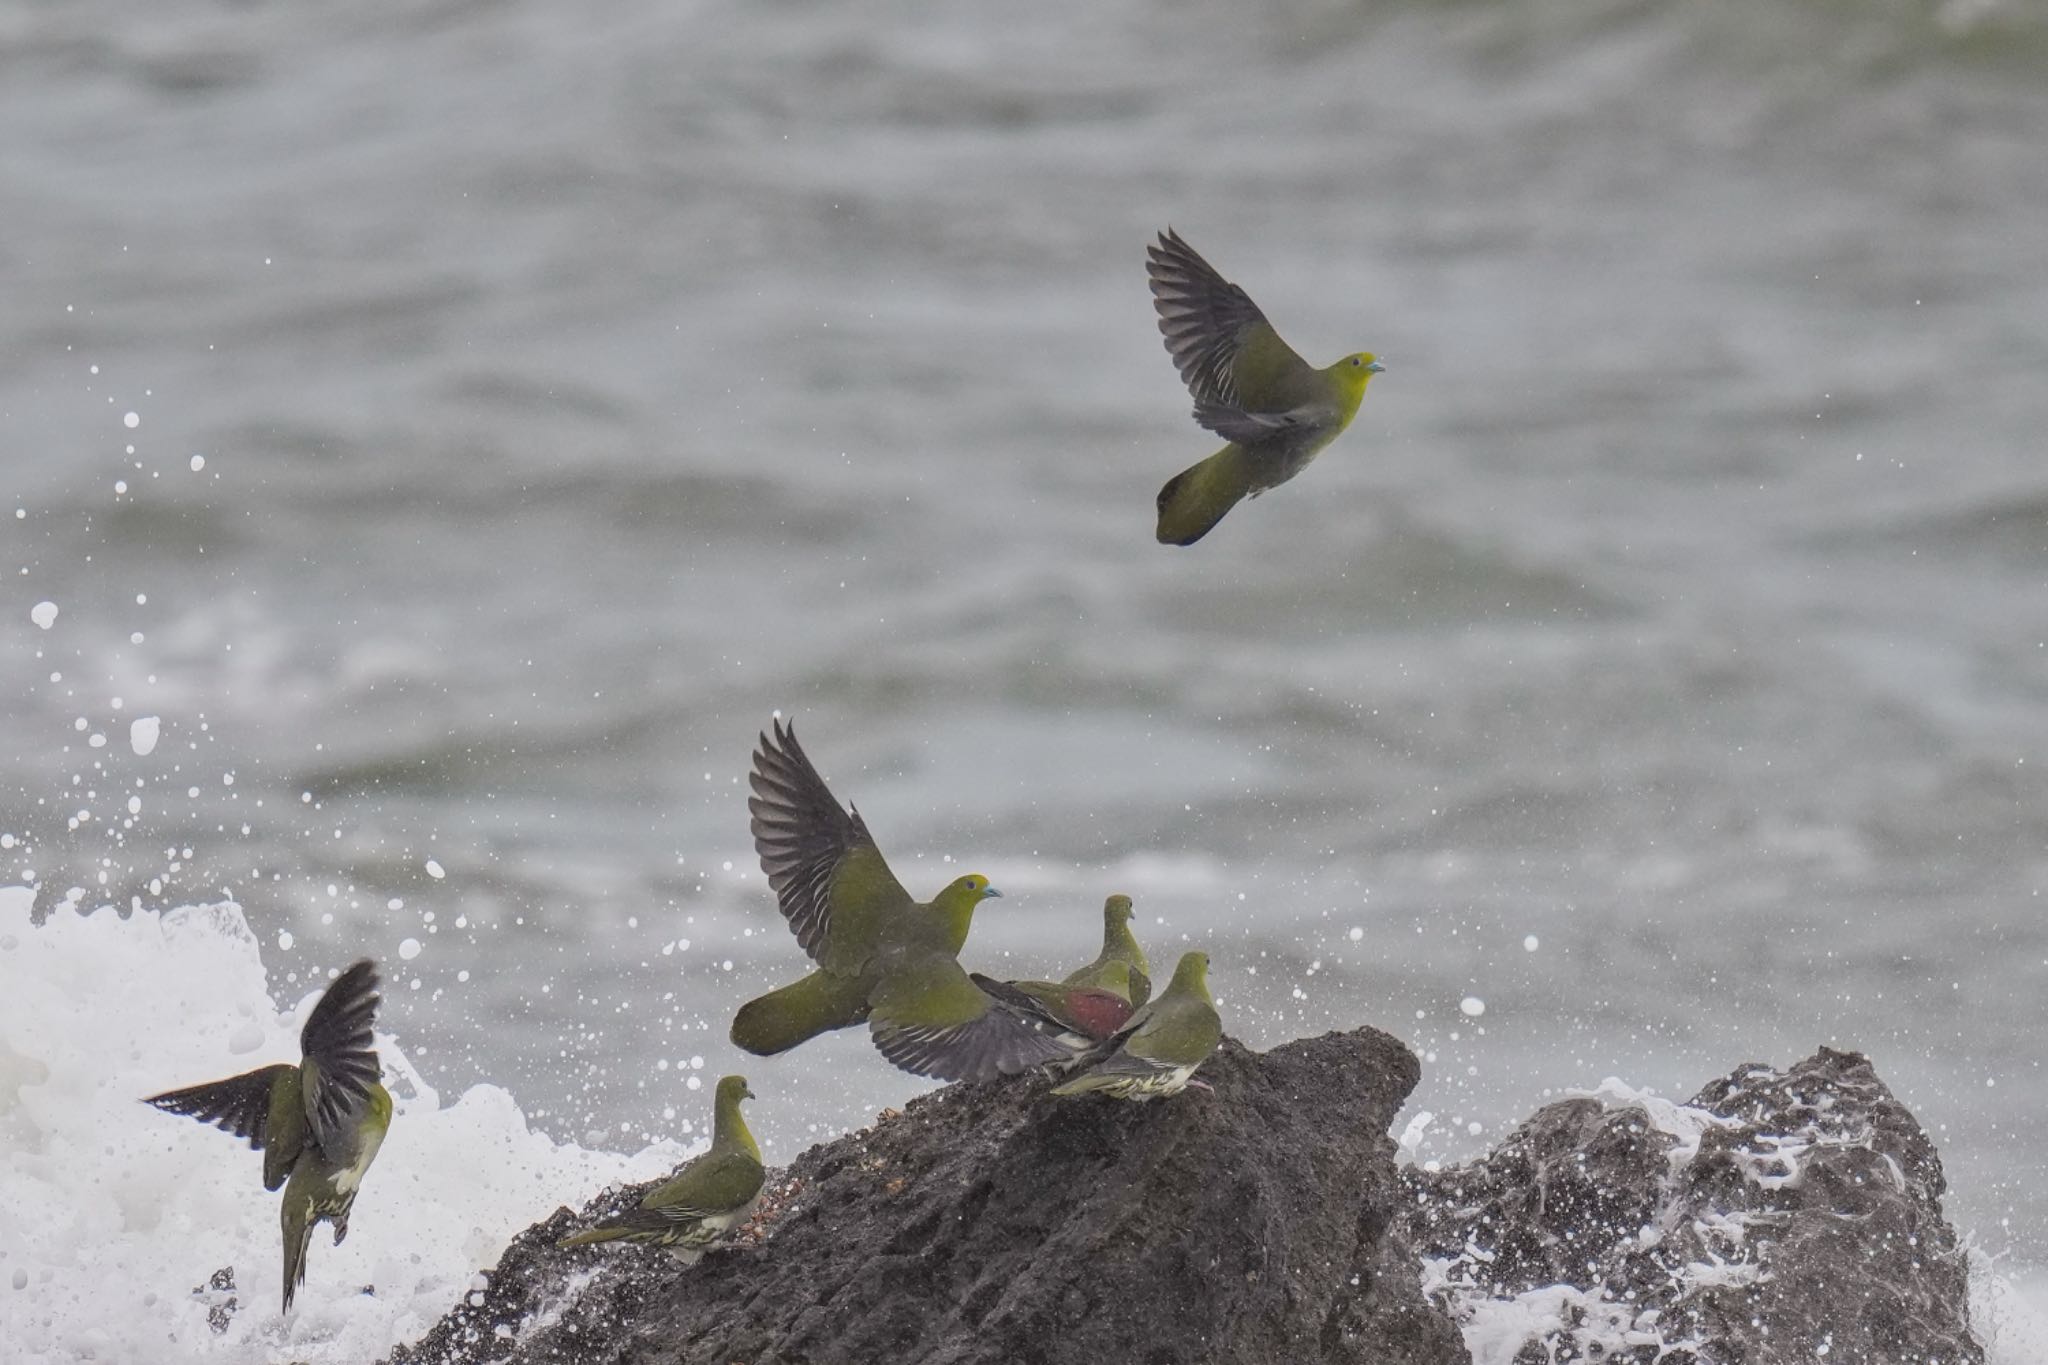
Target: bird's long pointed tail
[(296, 1218), (603, 1232), (641, 1225), (1194, 500)]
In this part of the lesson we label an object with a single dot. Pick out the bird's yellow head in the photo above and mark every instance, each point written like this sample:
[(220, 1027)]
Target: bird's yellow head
[(1191, 975), (1356, 371), (728, 1129), (1117, 909), (954, 906), (972, 888)]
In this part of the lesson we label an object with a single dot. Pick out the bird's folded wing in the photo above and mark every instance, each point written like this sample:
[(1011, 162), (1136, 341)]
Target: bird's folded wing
[(1126, 1063), (239, 1105), (340, 1056), (715, 1183), (1212, 329), (834, 887), (932, 1020), (1173, 1031)]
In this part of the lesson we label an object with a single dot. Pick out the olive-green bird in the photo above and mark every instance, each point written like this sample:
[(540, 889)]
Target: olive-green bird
[(1121, 967), (712, 1193), (1250, 388), (882, 957), (319, 1123), (1093, 1002), (1156, 1053)]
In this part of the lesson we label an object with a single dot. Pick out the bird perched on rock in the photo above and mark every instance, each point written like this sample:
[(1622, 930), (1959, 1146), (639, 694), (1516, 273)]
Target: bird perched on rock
[(1249, 386), (1156, 1053), (319, 1123), (882, 957), (1093, 1002), (712, 1193), (1121, 967)]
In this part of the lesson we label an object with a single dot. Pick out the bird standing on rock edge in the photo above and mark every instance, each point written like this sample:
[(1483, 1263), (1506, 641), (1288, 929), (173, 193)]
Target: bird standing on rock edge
[(1249, 386), (882, 957), (1156, 1053), (319, 1123), (712, 1193)]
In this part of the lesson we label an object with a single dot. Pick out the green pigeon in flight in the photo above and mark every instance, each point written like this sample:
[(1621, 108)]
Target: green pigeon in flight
[(882, 957), (1276, 411), (318, 1124)]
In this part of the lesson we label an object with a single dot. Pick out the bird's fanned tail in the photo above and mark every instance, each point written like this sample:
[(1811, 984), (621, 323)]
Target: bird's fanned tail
[(798, 1012), (1194, 500)]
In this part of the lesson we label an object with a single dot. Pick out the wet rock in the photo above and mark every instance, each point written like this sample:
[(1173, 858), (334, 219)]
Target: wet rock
[(1781, 1217), (218, 1294), (997, 1225)]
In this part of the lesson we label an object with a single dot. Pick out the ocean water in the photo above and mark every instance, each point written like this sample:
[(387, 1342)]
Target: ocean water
[(123, 1219), (460, 429)]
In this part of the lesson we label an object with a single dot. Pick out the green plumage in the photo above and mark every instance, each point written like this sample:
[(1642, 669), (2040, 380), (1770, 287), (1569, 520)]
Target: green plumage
[(318, 1124), (1276, 411), (1121, 967), (1156, 1053), (778, 1021), (710, 1195), (882, 957)]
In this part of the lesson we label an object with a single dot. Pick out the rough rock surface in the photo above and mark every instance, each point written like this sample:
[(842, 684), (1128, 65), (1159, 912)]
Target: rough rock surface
[(1781, 1217), (997, 1225)]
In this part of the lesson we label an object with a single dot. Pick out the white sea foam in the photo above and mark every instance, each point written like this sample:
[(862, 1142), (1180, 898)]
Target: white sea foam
[(2009, 1314), (116, 1213)]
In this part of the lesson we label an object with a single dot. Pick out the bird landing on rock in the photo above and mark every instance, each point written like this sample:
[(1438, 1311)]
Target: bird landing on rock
[(881, 957)]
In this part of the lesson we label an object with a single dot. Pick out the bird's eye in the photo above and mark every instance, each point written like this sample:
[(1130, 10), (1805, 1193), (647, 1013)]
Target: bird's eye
[(1354, 362)]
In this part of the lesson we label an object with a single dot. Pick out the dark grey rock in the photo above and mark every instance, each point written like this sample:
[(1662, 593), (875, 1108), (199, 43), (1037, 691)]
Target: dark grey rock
[(1779, 1217), (1782, 1218), (998, 1225), (218, 1294)]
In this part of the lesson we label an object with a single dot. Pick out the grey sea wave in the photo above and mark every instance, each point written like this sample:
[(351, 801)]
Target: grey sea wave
[(572, 391)]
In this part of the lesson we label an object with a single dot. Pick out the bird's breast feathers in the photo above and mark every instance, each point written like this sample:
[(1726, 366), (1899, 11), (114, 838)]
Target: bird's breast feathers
[(350, 1176)]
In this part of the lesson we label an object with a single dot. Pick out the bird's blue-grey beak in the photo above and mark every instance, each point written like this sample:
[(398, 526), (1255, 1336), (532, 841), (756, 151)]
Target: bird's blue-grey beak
[(991, 892), (1375, 368)]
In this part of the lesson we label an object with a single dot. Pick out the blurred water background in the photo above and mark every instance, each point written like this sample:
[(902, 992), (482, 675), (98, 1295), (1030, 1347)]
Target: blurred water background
[(529, 400)]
